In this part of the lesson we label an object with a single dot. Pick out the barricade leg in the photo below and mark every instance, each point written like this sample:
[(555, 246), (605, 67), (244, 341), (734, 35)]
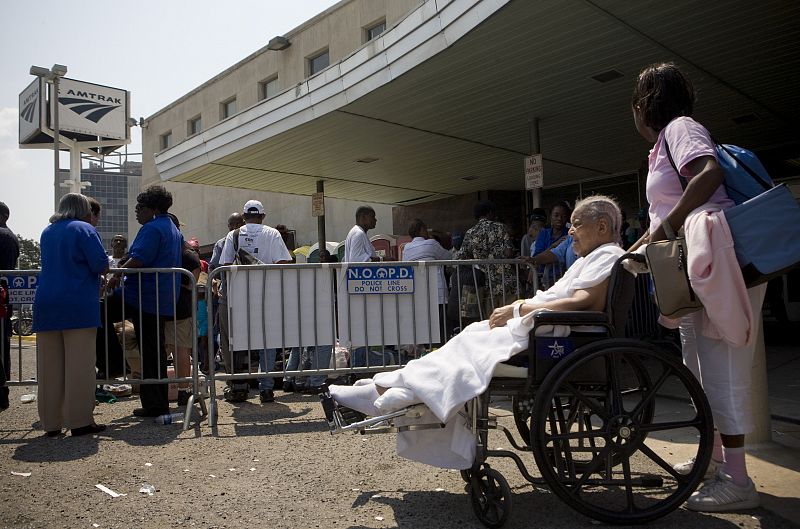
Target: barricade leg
[(5, 360)]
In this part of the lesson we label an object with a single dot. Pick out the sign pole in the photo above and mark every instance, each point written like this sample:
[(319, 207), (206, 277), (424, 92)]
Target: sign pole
[(56, 138), (75, 169), (322, 238)]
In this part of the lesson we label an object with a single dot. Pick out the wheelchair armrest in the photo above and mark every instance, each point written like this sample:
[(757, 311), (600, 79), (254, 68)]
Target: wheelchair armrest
[(571, 318)]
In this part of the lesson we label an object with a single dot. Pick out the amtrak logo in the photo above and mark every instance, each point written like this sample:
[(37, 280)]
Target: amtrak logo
[(556, 349), (89, 105), (27, 112)]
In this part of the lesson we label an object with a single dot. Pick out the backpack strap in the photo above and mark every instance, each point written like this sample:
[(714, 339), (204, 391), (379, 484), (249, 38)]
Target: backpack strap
[(236, 240), (672, 162)]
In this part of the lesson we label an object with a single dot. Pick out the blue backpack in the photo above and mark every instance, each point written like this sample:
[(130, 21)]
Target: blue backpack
[(745, 176)]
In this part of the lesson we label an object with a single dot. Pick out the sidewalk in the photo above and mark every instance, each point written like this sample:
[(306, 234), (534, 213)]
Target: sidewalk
[(775, 466)]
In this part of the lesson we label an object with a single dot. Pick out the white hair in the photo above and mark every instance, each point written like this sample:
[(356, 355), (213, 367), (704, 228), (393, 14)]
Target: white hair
[(600, 206)]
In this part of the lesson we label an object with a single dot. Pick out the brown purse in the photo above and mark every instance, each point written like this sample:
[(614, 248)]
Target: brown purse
[(667, 261)]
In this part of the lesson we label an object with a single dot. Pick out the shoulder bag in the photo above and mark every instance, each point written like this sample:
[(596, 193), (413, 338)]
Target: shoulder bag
[(766, 226), (667, 261)]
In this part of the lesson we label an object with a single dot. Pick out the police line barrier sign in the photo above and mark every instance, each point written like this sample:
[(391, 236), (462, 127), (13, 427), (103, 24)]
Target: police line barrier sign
[(21, 287), (380, 279)]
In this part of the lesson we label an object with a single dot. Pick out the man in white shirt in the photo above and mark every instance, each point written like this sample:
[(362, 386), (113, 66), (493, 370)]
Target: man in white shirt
[(423, 248), (265, 244), (357, 247)]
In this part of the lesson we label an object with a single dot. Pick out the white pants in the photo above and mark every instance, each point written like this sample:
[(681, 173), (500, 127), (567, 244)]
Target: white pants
[(723, 371)]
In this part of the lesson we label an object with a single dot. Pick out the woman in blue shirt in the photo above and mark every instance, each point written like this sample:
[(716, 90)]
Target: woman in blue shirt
[(150, 296), (66, 314), (550, 238), (553, 236)]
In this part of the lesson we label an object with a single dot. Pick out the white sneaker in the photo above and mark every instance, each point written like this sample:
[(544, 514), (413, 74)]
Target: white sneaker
[(684, 468), (721, 494)]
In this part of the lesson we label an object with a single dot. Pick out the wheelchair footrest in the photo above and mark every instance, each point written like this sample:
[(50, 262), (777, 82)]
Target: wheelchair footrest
[(343, 419)]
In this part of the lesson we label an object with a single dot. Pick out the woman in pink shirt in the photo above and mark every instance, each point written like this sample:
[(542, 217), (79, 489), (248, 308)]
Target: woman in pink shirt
[(662, 104)]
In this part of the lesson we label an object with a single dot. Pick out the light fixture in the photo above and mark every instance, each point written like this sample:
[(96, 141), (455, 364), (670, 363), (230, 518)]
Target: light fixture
[(278, 43), (607, 76)]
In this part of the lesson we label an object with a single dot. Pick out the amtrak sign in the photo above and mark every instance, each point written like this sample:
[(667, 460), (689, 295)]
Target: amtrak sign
[(31, 102), (93, 109), (92, 116)]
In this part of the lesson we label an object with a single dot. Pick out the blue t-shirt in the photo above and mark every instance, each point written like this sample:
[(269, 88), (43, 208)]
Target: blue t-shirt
[(157, 245), (565, 253), (68, 291), (545, 239)]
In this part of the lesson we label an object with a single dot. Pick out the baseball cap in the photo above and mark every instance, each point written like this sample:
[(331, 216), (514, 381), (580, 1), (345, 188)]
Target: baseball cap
[(253, 206)]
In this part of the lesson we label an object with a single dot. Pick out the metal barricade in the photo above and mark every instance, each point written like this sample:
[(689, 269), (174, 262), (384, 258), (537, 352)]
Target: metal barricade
[(120, 308), (381, 314)]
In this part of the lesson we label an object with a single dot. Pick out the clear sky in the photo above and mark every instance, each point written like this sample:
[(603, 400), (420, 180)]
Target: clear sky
[(156, 49)]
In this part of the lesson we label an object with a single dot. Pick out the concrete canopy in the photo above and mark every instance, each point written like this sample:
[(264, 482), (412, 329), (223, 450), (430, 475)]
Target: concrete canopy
[(440, 104)]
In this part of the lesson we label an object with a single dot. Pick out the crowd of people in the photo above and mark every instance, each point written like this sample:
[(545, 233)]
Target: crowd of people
[(83, 312)]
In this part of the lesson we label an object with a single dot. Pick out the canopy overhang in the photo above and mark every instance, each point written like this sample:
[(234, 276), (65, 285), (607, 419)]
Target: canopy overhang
[(443, 103)]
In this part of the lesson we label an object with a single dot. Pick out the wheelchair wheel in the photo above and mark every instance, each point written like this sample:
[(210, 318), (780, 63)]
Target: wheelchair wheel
[(466, 475), (577, 416), (491, 497), (606, 426)]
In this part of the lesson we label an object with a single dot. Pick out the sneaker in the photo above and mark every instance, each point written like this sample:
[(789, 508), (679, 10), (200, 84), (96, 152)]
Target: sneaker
[(686, 467), (266, 395), (231, 394), (721, 494)]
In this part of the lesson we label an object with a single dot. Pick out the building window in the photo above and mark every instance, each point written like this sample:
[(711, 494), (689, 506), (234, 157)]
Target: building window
[(194, 126), (318, 62), (165, 140), (371, 32), (268, 88), (227, 108)]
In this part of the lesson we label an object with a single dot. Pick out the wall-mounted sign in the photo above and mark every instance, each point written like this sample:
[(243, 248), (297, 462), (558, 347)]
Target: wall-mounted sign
[(534, 176), (318, 205)]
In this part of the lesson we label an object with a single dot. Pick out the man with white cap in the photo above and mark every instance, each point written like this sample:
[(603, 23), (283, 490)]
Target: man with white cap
[(265, 244)]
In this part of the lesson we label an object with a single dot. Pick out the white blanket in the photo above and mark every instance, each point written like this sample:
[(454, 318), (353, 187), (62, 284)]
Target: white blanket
[(462, 368)]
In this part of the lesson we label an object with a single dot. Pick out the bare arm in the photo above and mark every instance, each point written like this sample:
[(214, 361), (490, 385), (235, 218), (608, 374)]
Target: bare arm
[(593, 298)]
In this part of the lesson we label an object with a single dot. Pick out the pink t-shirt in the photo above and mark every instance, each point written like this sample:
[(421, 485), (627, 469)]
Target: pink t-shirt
[(687, 140)]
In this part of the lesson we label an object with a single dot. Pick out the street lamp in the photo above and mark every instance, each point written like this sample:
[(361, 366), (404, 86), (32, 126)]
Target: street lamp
[(54, 74)]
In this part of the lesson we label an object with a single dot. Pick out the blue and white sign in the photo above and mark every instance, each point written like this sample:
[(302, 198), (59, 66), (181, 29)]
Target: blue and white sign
[(21, 287), (387, 279)]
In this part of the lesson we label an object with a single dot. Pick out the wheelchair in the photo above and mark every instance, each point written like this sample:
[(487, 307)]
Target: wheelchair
[(600, 413)]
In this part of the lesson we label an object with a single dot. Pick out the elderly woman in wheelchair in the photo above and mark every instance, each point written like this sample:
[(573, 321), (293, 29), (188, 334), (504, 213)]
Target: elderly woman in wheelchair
[(584, 400)]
